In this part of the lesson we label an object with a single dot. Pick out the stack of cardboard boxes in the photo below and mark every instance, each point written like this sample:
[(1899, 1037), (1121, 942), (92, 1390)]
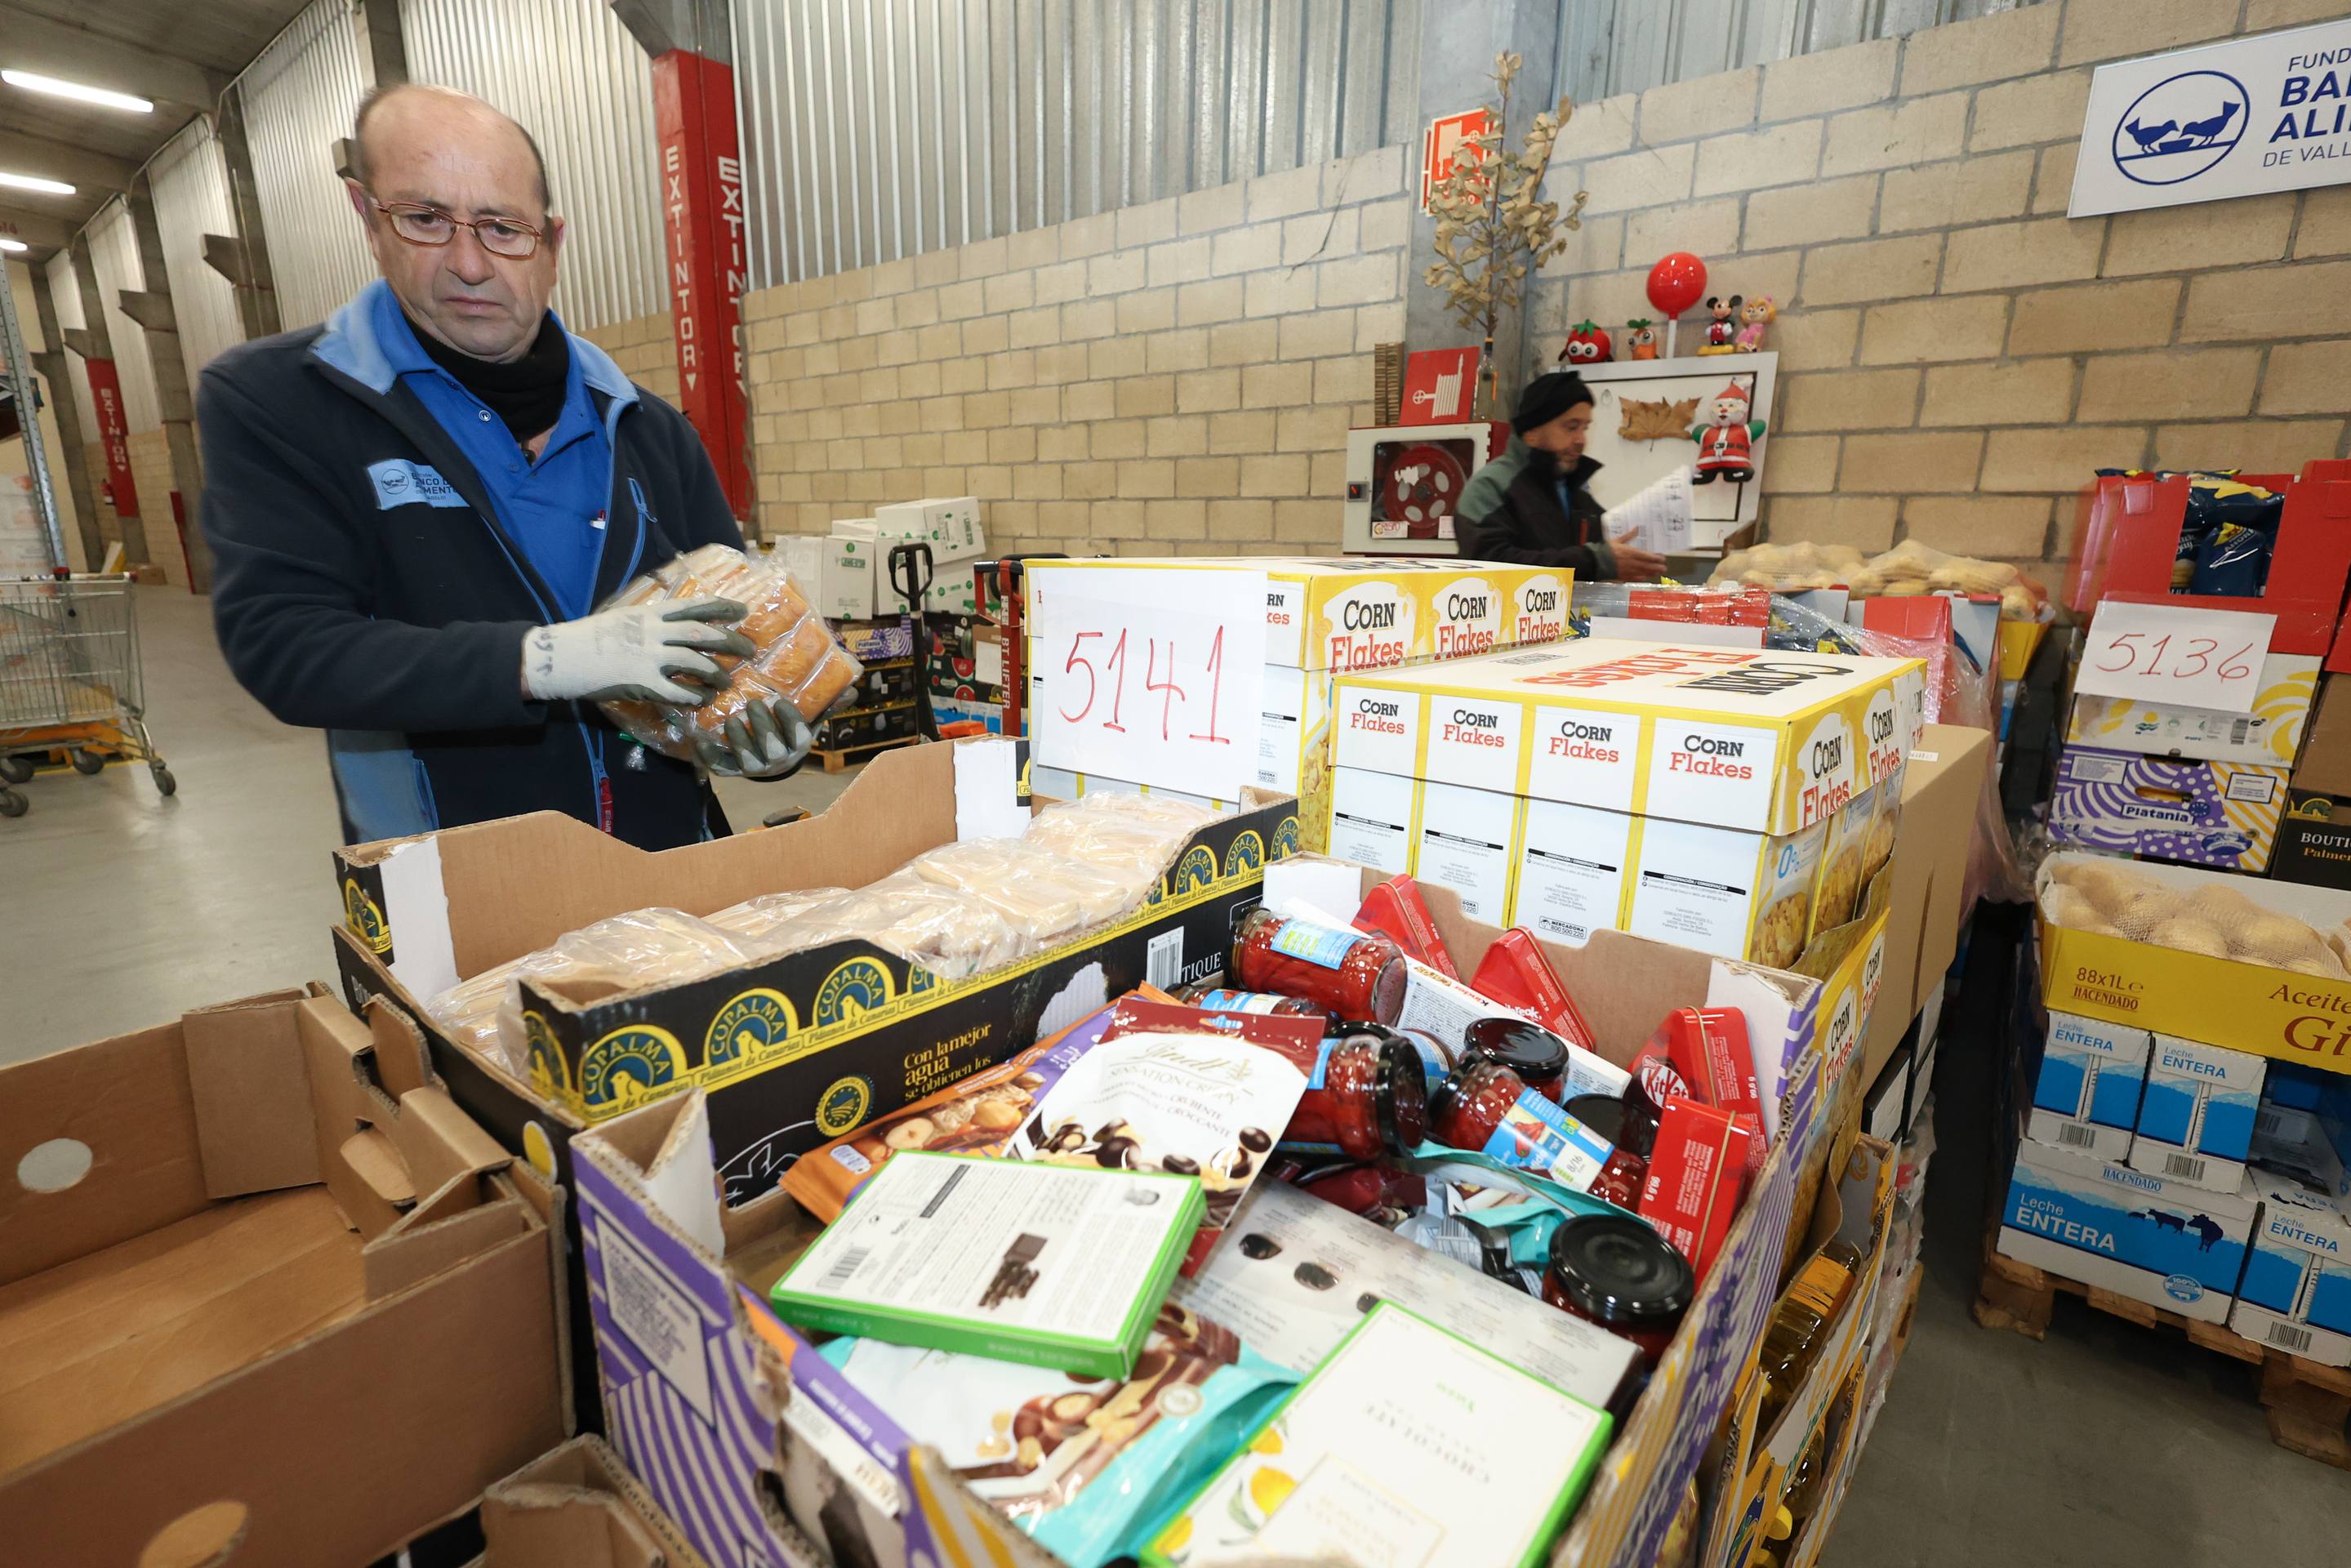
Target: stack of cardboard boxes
[(1734, 800), (2207, 1180)]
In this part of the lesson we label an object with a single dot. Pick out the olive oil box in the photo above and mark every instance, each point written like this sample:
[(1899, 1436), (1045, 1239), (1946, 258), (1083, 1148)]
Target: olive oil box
[(2243, 1005)]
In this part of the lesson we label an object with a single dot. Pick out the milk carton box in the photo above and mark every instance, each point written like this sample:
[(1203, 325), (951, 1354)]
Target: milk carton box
[(2085, 1090), (2296, 1292), (2195, 1117), (2166, 1243)]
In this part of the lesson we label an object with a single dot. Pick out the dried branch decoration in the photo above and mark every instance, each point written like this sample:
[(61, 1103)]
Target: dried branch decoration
[(1492, 224)]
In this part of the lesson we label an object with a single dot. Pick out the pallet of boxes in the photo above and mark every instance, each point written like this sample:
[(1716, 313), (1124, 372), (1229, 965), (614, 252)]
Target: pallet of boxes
[(2181, 1110)]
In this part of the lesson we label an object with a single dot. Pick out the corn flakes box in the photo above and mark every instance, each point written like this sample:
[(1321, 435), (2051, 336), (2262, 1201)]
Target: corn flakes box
[(1763, 740)]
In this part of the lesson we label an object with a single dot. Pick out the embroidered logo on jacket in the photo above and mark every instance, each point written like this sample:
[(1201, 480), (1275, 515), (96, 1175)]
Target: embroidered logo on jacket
[(399, 483)]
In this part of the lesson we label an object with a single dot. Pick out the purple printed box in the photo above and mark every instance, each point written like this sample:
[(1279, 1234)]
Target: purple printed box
[(2221, 814)]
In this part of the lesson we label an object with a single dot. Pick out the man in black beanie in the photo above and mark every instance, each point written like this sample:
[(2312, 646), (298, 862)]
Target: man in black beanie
[(1531, 505)]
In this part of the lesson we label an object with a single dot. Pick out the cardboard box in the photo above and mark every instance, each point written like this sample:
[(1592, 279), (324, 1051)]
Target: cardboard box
[(2085, 1085), (1363, 612), (796, 1049), (1765, 741), (2273, 1012), (2196, 1115), (2269, 735), (2222, 814), (2313, 840), (269, 1294), (1942, 784), (579, 1507), (2165, 1243), (1465, 839), (836, 572), (951, 528), (694, 1364), (2296, 1295), (1372, 819)]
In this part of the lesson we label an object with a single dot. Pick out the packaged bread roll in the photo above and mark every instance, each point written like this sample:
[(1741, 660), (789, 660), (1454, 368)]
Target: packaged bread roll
[(1127, 834), (755, 919), (1043, 896), (621, 953), (795, 657)]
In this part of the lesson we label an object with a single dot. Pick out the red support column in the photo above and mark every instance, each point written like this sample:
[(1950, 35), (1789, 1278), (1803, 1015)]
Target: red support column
[(702, 202), (114, 434)]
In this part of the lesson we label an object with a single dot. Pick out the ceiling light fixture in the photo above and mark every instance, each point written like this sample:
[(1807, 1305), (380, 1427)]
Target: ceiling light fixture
[(14, 244), (35, 183), (34, 83)]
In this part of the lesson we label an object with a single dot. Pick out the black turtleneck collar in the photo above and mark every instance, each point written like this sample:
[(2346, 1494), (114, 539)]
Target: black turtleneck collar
[(526, 395)]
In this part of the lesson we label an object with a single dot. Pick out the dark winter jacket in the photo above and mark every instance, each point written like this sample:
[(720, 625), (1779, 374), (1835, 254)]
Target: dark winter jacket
[(363, 586), (1511, 511)]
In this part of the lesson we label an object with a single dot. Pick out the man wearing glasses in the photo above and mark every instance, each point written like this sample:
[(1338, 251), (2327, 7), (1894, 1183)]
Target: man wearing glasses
[(416, 508)]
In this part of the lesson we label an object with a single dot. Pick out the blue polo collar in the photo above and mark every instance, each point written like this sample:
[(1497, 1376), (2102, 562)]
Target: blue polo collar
[(354, 344)]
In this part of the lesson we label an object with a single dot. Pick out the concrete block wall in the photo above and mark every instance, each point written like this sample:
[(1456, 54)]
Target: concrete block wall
[(1956, 355), (646, 350), (1177, 377), (151, 471)]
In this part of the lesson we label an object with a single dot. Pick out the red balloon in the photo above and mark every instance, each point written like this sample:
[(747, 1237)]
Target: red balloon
[(1676, 283)]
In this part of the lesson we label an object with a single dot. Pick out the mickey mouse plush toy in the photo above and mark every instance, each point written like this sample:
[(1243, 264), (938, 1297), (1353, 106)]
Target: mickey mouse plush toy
[(1721, 333), (1726, 448)]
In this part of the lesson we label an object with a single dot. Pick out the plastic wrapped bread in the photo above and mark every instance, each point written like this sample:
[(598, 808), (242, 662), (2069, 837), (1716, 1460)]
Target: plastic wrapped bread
[(947, 932), (641, 948), (2110, 898), (759, 918), (796, 658), (1127, 834), (1043, 896)]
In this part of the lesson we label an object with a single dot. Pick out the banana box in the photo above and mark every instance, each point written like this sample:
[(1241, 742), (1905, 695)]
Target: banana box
[(2268, 735), (1763, 740), (2222, 814)]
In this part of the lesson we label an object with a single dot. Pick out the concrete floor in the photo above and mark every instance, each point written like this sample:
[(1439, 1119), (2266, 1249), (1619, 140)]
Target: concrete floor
[(2106, 1446)]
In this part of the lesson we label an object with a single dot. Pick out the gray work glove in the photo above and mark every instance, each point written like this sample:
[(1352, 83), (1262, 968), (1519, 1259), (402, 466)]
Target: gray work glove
[(658, 653), (764, 741)]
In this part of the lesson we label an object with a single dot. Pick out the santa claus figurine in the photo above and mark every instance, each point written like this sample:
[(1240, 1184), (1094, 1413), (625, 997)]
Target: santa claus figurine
[(1725, 441)]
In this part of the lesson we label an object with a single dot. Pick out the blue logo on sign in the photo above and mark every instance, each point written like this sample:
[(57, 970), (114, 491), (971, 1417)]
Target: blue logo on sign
[(399, 483), (2180, 127)]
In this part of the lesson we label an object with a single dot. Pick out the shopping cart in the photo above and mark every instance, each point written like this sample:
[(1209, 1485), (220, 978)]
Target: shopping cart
[(71, 690)]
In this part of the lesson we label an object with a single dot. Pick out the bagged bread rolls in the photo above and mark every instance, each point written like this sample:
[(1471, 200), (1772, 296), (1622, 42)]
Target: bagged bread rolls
[(1128, 835), (624, 952), (795, 659), (1044, 896)]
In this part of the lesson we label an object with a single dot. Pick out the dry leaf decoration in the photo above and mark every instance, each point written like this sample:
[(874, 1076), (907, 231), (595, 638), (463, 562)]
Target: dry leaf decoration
[(1492, 224), (1661, 419)]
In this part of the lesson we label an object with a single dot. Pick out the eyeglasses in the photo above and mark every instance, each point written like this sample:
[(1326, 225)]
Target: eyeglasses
[(420, 224)]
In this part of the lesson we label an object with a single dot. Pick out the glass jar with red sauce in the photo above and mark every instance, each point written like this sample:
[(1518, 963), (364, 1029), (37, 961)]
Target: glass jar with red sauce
[(1486, 1109), (1614, 1272), (1537, 1056), (1355, 974), (1619, 1122), (1220, 999), (1366, 1098)]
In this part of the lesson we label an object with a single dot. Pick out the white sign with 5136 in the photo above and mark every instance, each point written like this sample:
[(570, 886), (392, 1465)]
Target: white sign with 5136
[(2177, 654)]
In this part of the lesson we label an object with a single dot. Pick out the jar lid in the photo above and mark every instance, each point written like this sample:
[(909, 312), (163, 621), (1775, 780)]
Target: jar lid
[(1399, 1086), (1626, 1125), (1616, 1271), (1529, 1050)]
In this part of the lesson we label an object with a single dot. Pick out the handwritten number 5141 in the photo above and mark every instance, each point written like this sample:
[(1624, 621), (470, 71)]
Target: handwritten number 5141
[(1115, 667)]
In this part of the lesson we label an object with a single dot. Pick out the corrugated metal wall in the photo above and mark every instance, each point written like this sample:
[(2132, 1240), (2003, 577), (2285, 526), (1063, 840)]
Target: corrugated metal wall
[(66, 295), (877, 129), (300, 96), (570, 72), (114, 250), (191, 185), (1608, 47)]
